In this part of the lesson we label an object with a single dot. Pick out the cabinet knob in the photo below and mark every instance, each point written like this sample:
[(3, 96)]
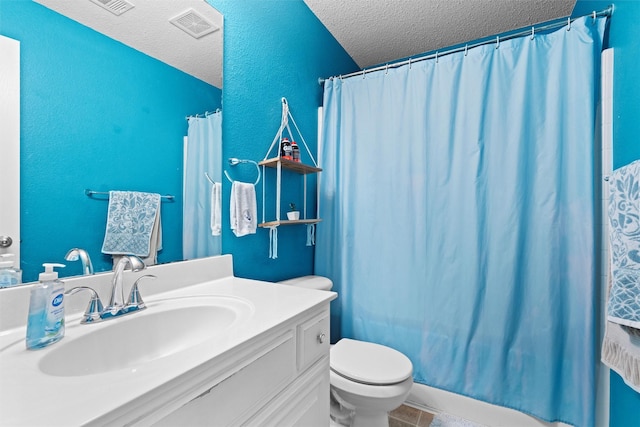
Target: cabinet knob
[(321, 337)]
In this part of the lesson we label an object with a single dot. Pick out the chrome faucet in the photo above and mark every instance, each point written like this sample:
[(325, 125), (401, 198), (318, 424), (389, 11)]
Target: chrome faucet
[(95, 311), (77, 253), (116, 301)]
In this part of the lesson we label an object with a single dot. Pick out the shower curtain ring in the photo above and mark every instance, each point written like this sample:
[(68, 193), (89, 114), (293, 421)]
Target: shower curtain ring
[(386, 69), (436, 56), (569, 24), (466, 49), (533, 32), (594, 16), (409, 63), (497, 42), (363, 74)]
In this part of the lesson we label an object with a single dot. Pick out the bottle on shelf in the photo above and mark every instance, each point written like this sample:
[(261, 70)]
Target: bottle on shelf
[(295, 152), (285, 149)]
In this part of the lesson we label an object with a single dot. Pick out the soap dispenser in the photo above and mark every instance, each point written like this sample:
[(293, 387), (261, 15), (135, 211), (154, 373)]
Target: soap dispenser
[(9, 276), (45, 324)]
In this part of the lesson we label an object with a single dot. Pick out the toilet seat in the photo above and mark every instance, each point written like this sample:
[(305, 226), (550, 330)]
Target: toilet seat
[(369, 363)]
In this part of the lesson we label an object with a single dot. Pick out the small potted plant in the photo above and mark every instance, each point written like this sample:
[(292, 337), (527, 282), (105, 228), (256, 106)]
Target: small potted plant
[(293, 214)]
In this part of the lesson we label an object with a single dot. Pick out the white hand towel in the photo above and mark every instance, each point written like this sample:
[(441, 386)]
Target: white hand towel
[(155, 243), (621, 352), (243, 209), (216, 209)]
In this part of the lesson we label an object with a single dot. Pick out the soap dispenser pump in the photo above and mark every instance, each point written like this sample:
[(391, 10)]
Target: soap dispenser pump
[(45, 324)]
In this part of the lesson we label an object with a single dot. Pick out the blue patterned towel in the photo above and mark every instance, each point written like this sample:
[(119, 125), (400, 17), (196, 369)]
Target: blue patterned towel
[(624, 233), (131, 220)]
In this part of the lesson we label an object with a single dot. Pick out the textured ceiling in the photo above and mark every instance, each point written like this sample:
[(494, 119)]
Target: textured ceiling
[(146, 28), (374, 32), (371, 31)]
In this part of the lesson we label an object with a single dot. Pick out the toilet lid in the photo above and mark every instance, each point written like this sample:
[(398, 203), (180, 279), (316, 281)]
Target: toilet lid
[(369, 363)]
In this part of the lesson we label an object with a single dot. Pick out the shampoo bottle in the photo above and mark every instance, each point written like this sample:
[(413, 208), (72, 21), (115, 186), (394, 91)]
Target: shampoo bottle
[(45, 324)]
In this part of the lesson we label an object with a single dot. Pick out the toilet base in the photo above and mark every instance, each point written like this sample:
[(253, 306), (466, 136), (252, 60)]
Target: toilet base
[(362, 419), (376, 421), (341, 414), (360, 405), (370, 418), (373, 413)]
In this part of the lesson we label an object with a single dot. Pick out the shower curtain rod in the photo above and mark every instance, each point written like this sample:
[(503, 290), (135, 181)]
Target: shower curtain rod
[(203, 115), (552, 25)]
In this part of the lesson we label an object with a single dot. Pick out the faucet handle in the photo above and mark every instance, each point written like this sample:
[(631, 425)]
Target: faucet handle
[(94, 309), (135, 300)]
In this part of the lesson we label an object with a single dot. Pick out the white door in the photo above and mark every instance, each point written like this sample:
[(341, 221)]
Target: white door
[(10, 147)]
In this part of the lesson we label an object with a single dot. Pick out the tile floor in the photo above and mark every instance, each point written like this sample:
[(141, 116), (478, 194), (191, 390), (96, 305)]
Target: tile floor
[(408, 416)]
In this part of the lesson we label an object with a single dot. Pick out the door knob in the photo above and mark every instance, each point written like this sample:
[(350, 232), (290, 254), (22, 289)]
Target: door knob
[(5, 241)]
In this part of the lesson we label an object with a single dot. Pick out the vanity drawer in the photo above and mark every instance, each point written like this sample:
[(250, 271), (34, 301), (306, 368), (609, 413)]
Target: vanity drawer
[(233, 400), (313, 339)]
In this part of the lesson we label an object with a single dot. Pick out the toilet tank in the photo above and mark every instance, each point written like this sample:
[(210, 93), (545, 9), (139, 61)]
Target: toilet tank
[(310, 282)]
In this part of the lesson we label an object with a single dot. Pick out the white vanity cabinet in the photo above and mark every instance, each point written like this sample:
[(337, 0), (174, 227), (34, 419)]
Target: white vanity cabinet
[(280, 378), (233, 352)]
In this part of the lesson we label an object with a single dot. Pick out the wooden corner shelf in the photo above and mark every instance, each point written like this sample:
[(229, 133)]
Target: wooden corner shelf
[(288, 222), (278, 164), (298, 167)]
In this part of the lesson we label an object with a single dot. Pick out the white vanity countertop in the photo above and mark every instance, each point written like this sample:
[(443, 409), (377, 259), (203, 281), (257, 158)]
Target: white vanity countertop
[(30, 397)]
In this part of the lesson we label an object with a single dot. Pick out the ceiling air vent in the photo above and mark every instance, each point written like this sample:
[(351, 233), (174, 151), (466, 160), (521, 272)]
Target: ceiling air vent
[(193, 24), (117, 7)]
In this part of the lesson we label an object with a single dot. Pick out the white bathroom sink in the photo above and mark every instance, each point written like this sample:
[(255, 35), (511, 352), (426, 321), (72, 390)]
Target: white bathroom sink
[(166, 327)]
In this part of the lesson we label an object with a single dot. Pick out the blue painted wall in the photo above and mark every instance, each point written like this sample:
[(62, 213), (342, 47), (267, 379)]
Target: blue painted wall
[(94, 114), (624, 37), (78, 132), (276, 58), (272, 49)]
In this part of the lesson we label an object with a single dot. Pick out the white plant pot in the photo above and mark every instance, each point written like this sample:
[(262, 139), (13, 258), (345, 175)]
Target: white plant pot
[(293, 216)]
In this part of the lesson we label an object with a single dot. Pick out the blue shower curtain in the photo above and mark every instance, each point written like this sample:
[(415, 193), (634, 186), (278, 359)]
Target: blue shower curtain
[(458, 206), (203, 154)]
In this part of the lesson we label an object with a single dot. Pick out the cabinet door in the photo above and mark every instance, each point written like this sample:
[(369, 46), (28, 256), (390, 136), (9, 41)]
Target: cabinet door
[(313, 340), (304, 403)]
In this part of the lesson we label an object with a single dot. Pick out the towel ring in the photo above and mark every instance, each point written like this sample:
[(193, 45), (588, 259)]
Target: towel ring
[(234, 161), (209, 178)]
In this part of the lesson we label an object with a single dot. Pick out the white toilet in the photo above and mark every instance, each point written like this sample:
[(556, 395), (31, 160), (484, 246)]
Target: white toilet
[(367, 380)]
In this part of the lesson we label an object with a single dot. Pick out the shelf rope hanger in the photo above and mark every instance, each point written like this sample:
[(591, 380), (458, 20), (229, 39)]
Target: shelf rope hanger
[(273, 229), (284, 124)]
